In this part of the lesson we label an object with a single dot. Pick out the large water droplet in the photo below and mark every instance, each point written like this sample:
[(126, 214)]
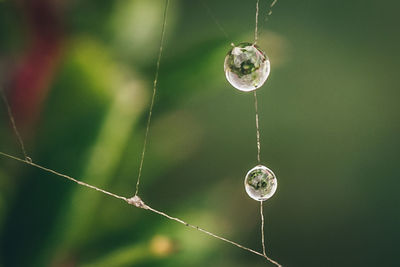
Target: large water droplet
[(246, 67)]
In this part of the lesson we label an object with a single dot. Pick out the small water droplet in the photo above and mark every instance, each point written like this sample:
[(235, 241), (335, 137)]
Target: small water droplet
[(260, 183)]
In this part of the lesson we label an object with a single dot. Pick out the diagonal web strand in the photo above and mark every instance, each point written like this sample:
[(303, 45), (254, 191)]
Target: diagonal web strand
[(271, 6), (146, 136), (14, 125), (214, 19), (267, 14), (61, 175), (137, 202)]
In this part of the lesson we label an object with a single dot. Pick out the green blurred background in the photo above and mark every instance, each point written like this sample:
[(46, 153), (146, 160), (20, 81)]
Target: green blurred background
[(78, 75)]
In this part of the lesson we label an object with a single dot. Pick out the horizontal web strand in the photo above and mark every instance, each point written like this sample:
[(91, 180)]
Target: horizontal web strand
[(137, 202)]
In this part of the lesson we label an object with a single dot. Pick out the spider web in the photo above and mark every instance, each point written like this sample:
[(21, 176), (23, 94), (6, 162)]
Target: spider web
[(136, 200)]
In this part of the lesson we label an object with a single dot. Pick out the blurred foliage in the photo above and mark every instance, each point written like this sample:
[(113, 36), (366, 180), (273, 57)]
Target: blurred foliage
[(329, 129)]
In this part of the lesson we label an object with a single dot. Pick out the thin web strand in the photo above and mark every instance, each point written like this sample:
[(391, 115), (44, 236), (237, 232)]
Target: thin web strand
[(270, 8), (212, 16), (62, 175), (258, 136), (262, 228), (256, 28), (14, 126), (268, 14), (214, 235), (257, 129), (153, 96), (137, 202)]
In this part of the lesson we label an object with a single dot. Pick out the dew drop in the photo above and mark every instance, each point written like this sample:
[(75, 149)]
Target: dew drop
[(246, 67), (260, 183)]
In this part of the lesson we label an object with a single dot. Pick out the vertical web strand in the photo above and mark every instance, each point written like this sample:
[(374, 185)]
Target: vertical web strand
[(262, 228), (14, 126), (256, 28), (257, 129), (258, 133), (153, 96)]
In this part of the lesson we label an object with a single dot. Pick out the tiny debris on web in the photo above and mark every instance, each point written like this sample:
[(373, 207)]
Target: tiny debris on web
[(137, 202)]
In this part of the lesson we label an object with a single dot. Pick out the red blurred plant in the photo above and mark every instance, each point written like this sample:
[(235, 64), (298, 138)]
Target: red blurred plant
[(30, 80)]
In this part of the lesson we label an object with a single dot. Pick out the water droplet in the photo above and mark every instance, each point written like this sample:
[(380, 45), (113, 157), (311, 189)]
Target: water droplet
[(28, 159), (246, 67), (260, 183)]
